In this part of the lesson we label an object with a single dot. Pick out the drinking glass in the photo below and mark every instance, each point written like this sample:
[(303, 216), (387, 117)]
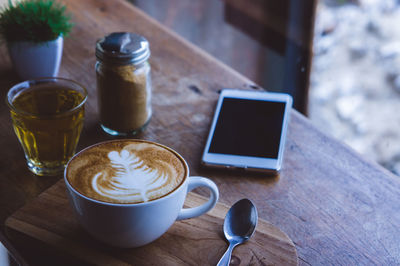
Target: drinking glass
[(47, 116)]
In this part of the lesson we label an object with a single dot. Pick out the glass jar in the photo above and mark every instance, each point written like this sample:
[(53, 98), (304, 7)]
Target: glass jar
[(123, 83)]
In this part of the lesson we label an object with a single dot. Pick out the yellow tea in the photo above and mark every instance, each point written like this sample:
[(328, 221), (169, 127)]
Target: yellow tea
[(48, 120)]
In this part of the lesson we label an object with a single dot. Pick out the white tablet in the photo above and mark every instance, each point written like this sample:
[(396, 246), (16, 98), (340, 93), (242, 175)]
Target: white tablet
[(248, 130)]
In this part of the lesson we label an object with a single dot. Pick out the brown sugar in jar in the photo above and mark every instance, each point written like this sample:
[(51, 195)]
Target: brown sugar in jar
[(123, 83)]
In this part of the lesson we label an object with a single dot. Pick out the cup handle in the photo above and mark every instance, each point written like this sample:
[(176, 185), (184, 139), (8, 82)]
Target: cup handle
[(194, 182)]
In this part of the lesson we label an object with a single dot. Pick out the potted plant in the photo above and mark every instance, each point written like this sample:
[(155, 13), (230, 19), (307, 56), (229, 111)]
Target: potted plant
[(33, 31)]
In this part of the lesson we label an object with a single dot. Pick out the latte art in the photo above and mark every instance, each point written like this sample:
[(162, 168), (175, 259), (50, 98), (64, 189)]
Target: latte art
[(132, 177), (126, 171)]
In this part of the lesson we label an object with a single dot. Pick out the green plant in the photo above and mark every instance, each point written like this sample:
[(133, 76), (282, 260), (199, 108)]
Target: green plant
[(33, 20)]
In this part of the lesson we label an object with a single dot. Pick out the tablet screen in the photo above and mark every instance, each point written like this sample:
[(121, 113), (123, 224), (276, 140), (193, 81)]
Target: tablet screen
[(248, 128)]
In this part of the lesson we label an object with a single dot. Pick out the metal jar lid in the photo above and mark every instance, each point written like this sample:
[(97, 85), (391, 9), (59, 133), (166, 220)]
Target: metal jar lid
[(123, 48)]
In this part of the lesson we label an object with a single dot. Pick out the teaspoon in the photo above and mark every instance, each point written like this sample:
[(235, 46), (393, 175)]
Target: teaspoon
[(239, 225)]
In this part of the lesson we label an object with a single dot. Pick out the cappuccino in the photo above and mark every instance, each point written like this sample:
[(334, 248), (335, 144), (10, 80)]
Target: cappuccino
[(126, 171)]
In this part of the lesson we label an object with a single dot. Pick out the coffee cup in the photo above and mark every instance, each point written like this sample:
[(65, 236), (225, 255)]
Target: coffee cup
[(127, 193)]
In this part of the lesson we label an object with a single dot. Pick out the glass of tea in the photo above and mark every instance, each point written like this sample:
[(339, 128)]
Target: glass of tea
[(47, 116)]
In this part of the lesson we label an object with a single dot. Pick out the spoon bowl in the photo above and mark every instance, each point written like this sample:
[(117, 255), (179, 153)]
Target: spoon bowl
[(239, 225)]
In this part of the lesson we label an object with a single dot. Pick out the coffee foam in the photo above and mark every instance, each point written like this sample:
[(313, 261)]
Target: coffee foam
[(126, 171)]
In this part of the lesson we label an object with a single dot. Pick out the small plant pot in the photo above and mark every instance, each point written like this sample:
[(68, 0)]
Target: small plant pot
[(36, 60)]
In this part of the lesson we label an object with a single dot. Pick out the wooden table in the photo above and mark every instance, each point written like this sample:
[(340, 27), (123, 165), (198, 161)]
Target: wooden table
[(337, 207)]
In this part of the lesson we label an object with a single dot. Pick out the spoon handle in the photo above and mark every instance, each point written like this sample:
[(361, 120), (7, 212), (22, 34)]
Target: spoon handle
[(226, 258)]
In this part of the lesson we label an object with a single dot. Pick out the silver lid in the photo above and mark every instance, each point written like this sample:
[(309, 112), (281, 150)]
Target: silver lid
[(123, 48)]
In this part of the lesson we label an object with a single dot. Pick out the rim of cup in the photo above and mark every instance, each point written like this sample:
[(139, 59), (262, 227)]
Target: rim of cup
[(150, 202)]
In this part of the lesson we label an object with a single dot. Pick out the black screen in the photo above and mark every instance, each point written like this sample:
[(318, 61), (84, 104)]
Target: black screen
[(248, 128)]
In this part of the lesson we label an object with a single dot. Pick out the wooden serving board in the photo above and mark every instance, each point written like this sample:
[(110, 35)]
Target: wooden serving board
[(48, 223)]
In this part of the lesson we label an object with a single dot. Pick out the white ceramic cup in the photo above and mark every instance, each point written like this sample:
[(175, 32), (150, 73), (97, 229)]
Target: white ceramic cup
[(137, 224)]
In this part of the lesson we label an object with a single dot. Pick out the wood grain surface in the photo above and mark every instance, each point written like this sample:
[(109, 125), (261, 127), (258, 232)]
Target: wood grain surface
[(49, 220), (337, 207)]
